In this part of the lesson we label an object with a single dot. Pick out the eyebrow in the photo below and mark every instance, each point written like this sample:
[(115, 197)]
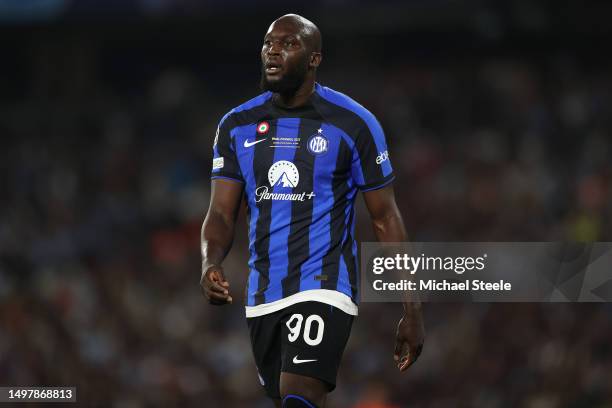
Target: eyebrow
[(296, 36)]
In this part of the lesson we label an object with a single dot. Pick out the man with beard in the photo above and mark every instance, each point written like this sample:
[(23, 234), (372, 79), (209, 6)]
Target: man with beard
[(300, 152)]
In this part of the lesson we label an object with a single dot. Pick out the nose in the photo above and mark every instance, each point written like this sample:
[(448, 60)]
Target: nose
[(274, 48)]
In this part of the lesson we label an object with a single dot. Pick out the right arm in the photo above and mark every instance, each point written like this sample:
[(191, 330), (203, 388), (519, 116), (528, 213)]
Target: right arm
[(217, 237)]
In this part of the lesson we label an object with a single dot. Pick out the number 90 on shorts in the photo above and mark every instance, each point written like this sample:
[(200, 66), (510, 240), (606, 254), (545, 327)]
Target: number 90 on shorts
[(294, 324)]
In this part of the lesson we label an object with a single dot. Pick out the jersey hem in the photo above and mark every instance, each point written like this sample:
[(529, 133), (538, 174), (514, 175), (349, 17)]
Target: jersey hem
[(376, 186), (226, 178), (327, 296)]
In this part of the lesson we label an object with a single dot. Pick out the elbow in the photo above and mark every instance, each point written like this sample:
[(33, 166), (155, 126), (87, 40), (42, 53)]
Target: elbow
[(383, 223), (389, 227)]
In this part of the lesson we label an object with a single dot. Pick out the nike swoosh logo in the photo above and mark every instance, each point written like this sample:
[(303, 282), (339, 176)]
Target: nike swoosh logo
[(297, 361), (249, 144)]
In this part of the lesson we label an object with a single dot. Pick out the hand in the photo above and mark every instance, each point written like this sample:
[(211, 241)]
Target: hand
[(214, 286), (409, 340)]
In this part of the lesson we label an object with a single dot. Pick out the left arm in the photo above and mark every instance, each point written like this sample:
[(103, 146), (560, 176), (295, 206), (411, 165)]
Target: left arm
[(389, 227)]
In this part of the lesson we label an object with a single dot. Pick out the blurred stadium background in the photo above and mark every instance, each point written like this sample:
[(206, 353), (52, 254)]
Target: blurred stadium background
[(498, 116)]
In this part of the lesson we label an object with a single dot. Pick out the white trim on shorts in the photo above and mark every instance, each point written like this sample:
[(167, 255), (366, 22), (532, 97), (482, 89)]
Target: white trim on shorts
[(327, 296)]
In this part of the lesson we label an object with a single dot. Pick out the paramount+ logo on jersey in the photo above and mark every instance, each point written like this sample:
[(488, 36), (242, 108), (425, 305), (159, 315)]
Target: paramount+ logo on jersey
[(283, 177)]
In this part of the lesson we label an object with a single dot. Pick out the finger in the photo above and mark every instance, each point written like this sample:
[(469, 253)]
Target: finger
[(216, 275), (216, 278), (223, 301), (405, 363), (217, 296), (406, 360), (217, 302), (216, 287), (411, 357), (397, 352)]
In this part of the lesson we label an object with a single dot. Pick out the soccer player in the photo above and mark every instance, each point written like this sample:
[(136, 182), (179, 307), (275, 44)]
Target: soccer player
[(299, 153)]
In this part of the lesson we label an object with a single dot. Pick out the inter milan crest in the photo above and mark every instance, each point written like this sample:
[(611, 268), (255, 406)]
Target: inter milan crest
[(318, 144)]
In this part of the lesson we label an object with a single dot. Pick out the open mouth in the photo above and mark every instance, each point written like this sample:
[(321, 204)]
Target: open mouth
[(272, 69)]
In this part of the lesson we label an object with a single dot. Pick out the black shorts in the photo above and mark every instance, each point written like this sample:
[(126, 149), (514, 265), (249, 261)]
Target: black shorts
[(306, 338)]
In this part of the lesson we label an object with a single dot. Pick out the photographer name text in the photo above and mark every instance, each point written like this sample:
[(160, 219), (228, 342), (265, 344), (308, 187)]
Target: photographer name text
[(442, 285)]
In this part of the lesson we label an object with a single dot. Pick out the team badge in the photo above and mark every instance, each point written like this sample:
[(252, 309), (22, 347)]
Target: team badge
[(263, 127), (318, 144)]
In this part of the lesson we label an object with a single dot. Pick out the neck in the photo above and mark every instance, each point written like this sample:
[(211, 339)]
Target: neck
[(297, 98)]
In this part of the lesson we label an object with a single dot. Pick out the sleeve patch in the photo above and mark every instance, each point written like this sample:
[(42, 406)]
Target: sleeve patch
[(217, 163)]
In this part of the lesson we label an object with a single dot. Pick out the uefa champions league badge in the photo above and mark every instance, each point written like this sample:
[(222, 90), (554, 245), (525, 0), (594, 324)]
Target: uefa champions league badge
[(263, 127), (318, 144)]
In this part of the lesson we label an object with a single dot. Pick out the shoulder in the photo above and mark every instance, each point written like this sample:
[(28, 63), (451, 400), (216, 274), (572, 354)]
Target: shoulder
[(246, 112), (347, 109)]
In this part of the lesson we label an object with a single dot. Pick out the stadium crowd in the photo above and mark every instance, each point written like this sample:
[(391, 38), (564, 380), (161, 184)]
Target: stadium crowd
[(104, 185)]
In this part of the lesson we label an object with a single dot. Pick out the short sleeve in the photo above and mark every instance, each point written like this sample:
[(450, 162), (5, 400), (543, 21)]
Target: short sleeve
[(371, 165), (225, 162)]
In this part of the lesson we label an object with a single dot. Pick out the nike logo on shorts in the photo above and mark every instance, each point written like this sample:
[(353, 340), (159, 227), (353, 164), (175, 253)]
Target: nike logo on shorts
[(249, 144), (297, 361)]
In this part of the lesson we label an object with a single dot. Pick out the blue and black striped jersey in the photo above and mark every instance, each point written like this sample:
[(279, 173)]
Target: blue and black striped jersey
[(301, 169)]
